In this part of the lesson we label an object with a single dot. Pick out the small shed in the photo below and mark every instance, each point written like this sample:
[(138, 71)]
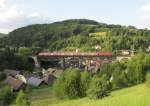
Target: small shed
[(33, 81)]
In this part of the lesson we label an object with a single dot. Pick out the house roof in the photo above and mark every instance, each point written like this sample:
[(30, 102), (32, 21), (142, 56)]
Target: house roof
[(21, 77), (34, 81), (11, 72), (15, 83)]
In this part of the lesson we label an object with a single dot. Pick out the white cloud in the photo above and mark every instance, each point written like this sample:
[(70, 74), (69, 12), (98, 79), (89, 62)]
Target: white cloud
[(12, 14), (14, 17), (145, 8), (145, 13), (9, 18), (2, 3), (35, 15), (144, 16)]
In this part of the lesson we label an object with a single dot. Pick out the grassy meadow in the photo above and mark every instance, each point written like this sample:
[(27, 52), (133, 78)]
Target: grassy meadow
[(133, 96)]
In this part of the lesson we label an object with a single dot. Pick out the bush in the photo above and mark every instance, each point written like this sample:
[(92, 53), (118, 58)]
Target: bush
[(69, 85), (21, 99), (85, 81), (99, 88), (6, 95), (106, 70), (59, 87), (119, 79)]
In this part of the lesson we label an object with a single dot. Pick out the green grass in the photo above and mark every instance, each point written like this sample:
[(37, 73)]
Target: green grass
[(41, 96), (134, 96), (98, 35)]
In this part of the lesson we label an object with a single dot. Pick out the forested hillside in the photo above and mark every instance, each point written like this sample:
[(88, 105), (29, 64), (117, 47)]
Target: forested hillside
[(78, 33), (2, 35)]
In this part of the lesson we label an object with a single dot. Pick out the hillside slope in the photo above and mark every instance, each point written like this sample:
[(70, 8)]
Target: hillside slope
[(134, 96), (2, 35), (84, 34)]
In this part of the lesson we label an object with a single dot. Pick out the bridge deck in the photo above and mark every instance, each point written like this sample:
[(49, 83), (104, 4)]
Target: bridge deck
[(75, 54)]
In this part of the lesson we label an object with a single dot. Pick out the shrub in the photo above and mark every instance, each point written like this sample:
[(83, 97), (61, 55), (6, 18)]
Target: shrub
[(106, 70), (119, 79), (21, 99), (135, 71), (69, 85), (6, 95), (85, 81), (99, 88), (59, 87), (139, 72)]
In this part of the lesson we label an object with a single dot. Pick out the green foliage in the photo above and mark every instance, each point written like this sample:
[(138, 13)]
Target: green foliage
[(76, 34), (99, 88), (29, 51), (119, 79), (21, 99), (148, 78), (69, 85), (136, 70), (146, 62), (131, 72), (77, 30), (6, 95), (2, 35), (85, 81), (2, 76), (106, 70), (139, 72), (10, 60)]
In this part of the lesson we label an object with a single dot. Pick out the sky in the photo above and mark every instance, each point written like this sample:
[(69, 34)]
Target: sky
[(19, 13)]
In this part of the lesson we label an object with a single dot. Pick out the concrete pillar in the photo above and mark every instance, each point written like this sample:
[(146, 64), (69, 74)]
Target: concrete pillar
[(63, 63), (80, 61)]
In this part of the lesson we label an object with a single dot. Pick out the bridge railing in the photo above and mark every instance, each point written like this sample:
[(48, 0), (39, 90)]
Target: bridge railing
[(75, 54)]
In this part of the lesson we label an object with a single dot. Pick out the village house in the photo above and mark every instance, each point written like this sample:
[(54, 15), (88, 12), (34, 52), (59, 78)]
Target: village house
[(98, 47), (125, 52), (16, 84), (21, 77), (33, 81)]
